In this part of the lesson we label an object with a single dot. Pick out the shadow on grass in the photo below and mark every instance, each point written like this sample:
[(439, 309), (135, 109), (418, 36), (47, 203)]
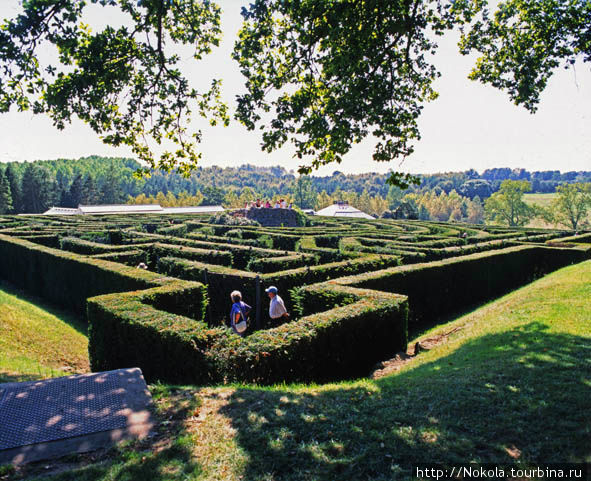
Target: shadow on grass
[(418, 329), (166, 456), (521, 396), (69, 317), (10, 377)]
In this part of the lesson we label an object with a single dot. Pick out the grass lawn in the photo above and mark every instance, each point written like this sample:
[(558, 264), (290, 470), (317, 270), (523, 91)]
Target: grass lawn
[(512, 384), (543, 200), (38, 341), (540, 200)]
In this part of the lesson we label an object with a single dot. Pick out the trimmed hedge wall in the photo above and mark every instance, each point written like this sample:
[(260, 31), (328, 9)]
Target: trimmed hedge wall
[(580, 238), (44, 240), (63, 277), (274, 264), (127, 330), (241, 255), (339, 343), (131, 257), (220, 281), (216, 257), (175, 230), (438, 289), (79, 246)]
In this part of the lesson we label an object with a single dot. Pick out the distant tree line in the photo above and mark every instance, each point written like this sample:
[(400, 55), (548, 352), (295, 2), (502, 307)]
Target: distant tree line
[(34, 187)]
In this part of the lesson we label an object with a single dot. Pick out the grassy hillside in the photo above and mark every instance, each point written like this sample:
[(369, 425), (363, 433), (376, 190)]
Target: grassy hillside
[(543, 200), (38, 341), (510, 384)]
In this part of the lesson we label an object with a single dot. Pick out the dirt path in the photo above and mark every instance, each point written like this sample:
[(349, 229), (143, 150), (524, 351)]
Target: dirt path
[(390, 366)]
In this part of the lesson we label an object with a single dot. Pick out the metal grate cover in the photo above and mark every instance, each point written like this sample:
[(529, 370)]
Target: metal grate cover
[(40, 411)]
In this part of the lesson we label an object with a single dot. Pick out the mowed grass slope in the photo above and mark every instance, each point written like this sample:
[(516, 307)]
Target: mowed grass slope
[(38, 341), (542, 200), (512, 384)]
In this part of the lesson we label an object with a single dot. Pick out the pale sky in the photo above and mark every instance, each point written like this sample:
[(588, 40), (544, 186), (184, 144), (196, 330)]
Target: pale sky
[(469, 126)]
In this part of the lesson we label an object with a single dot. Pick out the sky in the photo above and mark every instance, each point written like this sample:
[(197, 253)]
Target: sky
[(470, 125)]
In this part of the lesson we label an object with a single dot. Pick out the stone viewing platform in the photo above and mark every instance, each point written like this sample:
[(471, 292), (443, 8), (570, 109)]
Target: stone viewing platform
[(55, 417)]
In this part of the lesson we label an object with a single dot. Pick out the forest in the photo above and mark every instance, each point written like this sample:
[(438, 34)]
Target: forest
[(33, 187)]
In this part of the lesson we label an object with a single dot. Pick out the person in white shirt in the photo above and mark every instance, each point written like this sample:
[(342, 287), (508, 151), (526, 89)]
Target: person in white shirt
[(283, 204), (277, 309)]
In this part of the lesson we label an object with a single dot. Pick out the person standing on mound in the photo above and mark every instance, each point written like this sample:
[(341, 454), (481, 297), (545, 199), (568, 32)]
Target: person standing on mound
[(277, 310)]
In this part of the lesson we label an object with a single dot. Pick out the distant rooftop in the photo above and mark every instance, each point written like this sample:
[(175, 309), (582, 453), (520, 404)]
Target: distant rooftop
[(132, 209), (200, 209), (62, 211), (343, 210), (119, 209)]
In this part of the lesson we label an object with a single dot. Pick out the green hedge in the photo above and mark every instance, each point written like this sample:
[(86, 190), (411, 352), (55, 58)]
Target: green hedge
[(285, 281), (338, 343), (274, 264), (174, 230), (220, 281), (580, 238), (230, 240), (80, 246), (63, 277), (129, 330), (216, 257), (241, 255), (45, 240), (439, 289), (130, 257)]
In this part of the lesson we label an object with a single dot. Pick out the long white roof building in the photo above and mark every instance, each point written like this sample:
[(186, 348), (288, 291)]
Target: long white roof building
[(133, 209), (343, 210)]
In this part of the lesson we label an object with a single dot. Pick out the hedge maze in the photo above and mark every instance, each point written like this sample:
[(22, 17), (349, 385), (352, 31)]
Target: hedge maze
[(354, 288)]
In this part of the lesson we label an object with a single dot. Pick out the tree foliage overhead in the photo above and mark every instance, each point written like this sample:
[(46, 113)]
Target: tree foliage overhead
[(121, 81), (320, 74), (522, 43), (332, 73)]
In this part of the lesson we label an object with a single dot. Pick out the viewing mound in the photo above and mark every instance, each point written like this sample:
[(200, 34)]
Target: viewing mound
[(273, 217)]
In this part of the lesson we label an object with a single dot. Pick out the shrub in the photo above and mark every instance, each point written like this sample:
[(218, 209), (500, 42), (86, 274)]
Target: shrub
[(265, 241), (131, 257), (236, 233), (274, 264)]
